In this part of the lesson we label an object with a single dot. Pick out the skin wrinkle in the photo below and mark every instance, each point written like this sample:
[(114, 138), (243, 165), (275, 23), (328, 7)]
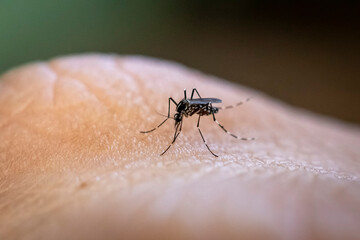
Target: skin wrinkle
[(120, 64), (95, 171), (86, 84), (105, 104), (25, 106), (90, 82)]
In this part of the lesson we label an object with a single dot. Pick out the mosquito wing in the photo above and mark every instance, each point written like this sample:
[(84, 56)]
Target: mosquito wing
[(204, 100)]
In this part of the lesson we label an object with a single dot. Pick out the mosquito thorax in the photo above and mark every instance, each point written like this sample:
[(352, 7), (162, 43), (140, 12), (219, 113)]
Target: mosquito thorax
[(182, 106)]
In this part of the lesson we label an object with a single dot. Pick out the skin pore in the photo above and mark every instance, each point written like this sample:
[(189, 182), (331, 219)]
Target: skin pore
[(73, 163)]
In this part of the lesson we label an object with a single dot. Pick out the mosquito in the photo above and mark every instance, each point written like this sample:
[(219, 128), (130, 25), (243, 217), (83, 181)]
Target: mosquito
[(201, 106)]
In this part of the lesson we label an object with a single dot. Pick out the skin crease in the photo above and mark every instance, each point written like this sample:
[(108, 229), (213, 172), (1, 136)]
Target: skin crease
[(73, 163)]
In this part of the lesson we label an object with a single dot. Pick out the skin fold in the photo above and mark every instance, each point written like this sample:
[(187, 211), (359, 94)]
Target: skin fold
[(74, 165)]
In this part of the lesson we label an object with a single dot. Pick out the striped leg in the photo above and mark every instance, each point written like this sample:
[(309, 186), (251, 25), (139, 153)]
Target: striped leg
[(168, 116), (192, 93), (233, 135), (198, 126), (176, 134), (235, 105)]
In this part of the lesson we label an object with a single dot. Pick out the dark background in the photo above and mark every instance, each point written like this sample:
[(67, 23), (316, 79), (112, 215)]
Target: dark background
[(304, 52)]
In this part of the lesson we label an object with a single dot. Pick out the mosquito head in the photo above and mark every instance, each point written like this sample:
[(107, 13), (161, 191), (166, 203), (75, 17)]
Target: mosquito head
[(177, 118)]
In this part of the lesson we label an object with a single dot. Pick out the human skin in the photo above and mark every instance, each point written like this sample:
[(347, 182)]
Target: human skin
[(74, 165)]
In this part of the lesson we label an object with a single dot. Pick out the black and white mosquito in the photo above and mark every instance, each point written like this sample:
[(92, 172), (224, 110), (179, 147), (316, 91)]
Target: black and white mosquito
[(190, 106)]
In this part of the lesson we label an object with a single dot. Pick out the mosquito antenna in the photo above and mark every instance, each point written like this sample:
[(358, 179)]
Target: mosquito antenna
[(163, 115)]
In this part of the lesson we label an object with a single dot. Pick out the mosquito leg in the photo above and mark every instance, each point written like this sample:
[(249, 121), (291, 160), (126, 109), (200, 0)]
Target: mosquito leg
[(235, 105), (241, 138), (168, 116), (192, 93), (176, 134), (198, 126), (177, 131)]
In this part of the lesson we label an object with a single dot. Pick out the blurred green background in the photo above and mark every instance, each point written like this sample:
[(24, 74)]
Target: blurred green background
[(304, 52)]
